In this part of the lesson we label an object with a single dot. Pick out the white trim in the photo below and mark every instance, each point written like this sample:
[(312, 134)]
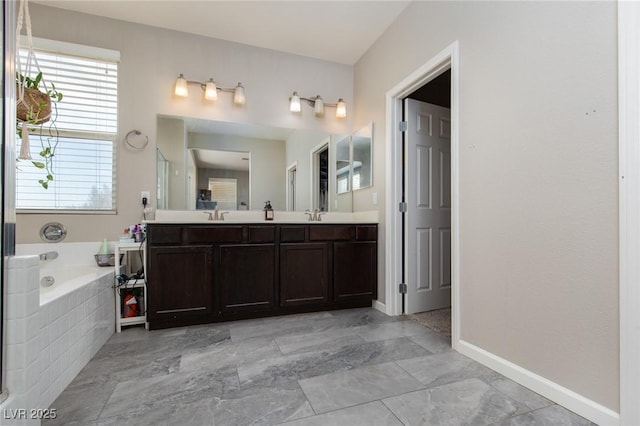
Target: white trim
[(629, 208), (573, 401), (287, 194), (448, 58), (55, 46), (379, 306)]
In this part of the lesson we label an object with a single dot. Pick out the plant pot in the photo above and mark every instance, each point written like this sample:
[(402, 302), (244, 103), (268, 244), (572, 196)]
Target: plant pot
[(35, 104)]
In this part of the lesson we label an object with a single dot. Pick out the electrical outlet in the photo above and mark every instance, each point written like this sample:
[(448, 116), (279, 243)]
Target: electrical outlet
[(147, 195)]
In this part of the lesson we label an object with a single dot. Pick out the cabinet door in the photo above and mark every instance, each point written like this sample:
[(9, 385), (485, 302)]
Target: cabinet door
[(304, 274), (179, 281), (246, 277), (354, 271)]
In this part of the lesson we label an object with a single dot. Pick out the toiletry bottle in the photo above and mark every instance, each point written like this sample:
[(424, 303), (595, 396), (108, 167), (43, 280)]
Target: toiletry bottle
[(268, 211)]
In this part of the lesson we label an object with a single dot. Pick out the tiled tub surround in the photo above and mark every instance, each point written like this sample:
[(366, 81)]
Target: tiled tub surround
[(69, 321), (350, 367), (23, 340)]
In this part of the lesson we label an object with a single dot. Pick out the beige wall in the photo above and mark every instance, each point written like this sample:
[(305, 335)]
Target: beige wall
[(538, 183), (151, 59)]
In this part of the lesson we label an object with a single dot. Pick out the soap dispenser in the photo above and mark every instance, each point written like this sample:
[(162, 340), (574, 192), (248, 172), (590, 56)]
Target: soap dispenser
[(268, 211)]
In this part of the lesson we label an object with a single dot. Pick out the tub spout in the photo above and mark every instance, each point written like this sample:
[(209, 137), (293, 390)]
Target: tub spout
[(50, 255)]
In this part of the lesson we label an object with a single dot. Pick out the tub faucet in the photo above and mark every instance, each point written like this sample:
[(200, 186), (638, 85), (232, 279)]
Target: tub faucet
[(50, 255)]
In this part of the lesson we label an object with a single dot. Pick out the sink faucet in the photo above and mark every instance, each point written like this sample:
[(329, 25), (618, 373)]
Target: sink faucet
[(216, 215), (50, 255), (314, 216)]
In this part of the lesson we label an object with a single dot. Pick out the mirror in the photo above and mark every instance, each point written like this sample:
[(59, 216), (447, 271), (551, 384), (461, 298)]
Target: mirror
[(343, 165), (362, 144), (292, 168)]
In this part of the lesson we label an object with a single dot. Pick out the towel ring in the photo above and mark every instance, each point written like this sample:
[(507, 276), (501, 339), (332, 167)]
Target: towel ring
[(138, 147)]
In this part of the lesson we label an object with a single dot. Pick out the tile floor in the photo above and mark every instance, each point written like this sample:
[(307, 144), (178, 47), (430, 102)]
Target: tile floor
[(351, 367)]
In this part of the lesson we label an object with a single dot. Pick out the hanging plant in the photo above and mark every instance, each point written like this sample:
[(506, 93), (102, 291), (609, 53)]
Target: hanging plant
[(34, 106)]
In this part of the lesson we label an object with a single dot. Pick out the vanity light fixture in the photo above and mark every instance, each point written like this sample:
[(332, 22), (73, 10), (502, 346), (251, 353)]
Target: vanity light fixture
[(318, 105), (210, 89)]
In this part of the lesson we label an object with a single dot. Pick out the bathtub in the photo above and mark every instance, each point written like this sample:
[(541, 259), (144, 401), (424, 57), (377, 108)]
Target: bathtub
[(67, 279), (76, 313)]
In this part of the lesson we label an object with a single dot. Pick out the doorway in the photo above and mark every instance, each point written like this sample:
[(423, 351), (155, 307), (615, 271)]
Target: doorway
[(427, 194), (291, 186), (396, 264), (320, 178)]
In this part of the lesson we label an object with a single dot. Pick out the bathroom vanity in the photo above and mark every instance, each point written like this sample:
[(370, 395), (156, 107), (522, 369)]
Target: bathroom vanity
[(206, 272)]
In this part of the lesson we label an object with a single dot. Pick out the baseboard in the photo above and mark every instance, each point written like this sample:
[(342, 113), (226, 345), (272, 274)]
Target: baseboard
[(567, 398), (379, 306)]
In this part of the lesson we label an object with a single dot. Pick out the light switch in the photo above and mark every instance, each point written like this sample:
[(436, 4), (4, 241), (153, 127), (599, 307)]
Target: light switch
[(374, 198)]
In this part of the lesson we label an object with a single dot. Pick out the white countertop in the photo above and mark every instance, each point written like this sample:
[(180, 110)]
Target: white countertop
[(257, 216)]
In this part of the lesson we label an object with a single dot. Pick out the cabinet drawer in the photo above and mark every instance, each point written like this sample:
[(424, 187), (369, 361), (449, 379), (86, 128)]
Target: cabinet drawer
[(262, 234), (218, 234), (331, 232), (164, 234), (292, 234), (367, 233)]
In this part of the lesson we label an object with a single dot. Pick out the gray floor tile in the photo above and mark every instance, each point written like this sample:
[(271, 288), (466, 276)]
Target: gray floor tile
[(469, 402), (432, 341), (179, 388), (311, 364), (529, 399), (198, 413), (276, 326), (446, 367), (313, 342), (81, 405), (369, 414), (553, 415), (228, 353), (344, 389), (236, 373), (262, 406), (390, 330)]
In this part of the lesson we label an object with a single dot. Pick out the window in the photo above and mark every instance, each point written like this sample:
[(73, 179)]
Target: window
[(86, 127), (224, 192)]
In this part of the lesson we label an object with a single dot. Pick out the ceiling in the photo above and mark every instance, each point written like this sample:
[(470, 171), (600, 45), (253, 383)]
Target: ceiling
[(227, 160), (336, 31)]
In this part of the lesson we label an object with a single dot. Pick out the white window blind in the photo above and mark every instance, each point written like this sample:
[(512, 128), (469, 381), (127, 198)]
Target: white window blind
[(224, 192), (86, 126)]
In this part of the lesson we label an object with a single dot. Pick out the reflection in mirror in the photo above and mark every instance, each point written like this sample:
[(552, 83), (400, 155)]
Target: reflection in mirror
[(162, 168), (362, 142), (343, 162), (223, 179), (280, 165)]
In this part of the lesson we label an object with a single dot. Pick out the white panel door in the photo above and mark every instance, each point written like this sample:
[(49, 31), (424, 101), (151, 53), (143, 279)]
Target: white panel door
[(428, 198)]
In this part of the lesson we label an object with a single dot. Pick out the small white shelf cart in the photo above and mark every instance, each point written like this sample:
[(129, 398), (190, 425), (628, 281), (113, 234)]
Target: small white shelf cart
[(139, 283)]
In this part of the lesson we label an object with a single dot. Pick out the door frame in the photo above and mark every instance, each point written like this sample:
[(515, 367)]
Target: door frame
[(289, 197), (447, 58), (314, 161), (629, 208)]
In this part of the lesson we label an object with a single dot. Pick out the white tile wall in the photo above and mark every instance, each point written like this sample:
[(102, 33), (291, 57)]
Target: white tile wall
[(48, 345), (23, 287), (73, 329)]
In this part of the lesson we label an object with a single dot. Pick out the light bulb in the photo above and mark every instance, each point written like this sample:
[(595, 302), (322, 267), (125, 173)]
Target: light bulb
[(341, 109), (294, 102), (181, 86), (211, 91), (238, 96), (318, 107)]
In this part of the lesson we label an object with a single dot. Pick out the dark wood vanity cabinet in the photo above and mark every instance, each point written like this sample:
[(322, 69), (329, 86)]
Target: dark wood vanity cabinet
[(199, 273), (179, 282), (246, 277), (304, 274)]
